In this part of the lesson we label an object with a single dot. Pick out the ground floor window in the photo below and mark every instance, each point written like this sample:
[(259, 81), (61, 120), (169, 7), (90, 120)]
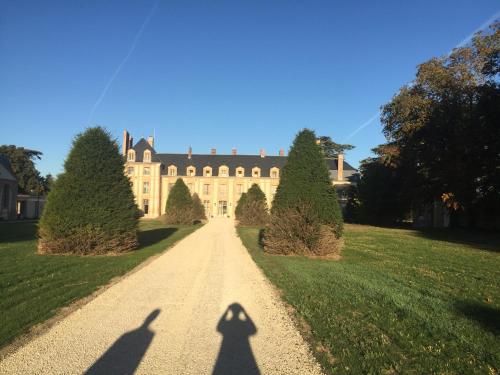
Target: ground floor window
[(222, 209), (206, 204), (145, 205)]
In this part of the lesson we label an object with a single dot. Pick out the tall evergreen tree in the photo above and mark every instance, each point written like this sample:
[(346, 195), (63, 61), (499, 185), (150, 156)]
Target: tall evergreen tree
[(305, 190), (198, 209), (90, 209), (252, 207), (179, 207)]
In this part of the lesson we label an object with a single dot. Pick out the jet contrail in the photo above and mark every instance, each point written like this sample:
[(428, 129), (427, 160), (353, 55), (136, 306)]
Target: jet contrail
[(123, 62), (466, 40), (364, 125)]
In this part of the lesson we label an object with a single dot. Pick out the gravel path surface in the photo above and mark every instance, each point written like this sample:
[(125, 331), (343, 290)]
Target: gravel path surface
[(202, 307)]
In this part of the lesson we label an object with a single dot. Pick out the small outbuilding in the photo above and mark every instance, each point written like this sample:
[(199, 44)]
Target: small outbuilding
[(8, 190)]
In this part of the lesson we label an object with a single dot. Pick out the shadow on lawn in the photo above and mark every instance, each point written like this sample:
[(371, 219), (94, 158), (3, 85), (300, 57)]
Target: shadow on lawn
[(482, 239), (487, 316), (152, 236), (18, 231), (125, 355)]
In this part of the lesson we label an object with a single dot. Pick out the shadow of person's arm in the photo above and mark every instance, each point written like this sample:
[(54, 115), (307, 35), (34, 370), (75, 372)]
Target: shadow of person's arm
[(222, 322), (252, 329)]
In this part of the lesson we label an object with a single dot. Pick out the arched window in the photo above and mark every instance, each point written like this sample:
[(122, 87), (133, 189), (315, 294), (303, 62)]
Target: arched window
[(240, 172), (131, 155), (207, 171), (172, 170), (255, 172), (275, 172), (223, 171), (191, 171), (147, 156)]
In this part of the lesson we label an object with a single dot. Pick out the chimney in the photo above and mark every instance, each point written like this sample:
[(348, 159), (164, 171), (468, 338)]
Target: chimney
[(262, 153), (125, 143), (233, 151), (190, 152), (213, 151), (282, 152), (340, 167), (151, 141)]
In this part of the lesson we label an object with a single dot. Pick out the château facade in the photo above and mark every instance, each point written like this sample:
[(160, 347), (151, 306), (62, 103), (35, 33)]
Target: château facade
[(219, 180)]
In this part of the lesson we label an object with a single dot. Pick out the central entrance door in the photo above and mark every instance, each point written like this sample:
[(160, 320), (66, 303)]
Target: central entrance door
[(222, 209)]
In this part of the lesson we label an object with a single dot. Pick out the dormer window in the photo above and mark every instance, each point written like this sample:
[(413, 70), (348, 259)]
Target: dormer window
[(147, 156), (275, 172), (207, 171), (191, 171), (131, 155), (223, 171), (172, 170), (240, 172), (255, 172)]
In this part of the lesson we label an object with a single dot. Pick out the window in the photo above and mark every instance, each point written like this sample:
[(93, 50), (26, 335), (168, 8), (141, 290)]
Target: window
[(147, 171), (207, 171), (240, 172), (131, 155), (170, 186), (130, 170), (147, 155), (145, 187), (145, 205), (256, 172), (273, 190), (223, 171), (223, 189), (206, 189), (206, 204), (275, 173), (239, 189), (191, 171), (172, 170)]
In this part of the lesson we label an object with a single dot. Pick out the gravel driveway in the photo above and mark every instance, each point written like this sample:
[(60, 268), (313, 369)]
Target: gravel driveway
[(202, 307)]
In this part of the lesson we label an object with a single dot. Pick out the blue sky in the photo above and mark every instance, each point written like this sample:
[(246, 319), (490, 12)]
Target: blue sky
[(217, 74)]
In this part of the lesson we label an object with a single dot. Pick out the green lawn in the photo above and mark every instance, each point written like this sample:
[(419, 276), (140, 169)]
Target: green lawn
[(399, 301), (33, 287)]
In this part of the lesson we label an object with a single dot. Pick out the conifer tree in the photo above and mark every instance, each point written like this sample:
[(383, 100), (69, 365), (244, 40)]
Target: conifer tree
[(252, 207), (179, 207), (198, 209), (306, 206), (90, 209)]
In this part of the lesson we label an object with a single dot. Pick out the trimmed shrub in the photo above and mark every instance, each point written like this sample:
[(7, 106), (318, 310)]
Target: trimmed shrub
[(239, 206), (90, 208), (198, 209), (179, 207), (306, 215), (251, 209)]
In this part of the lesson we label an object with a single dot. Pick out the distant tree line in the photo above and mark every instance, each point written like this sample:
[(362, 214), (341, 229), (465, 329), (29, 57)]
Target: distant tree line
[(28, 177), (443, 142)]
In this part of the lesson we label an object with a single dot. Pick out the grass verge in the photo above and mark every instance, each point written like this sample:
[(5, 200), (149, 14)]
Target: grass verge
[(34, 287), (398, 301)]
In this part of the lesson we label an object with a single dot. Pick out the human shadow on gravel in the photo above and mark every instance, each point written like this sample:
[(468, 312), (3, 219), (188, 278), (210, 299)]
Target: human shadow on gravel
[(235, 354), (125, 355)]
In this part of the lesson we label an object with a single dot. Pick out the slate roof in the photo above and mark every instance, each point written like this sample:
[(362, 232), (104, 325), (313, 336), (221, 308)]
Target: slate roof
[(199, 161), (6, 171)]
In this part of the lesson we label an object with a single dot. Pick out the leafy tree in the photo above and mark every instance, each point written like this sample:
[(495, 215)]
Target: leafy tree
[(331, 149), (443, 135), (252, 207), (305, 188), (179, 207), (90, 209), (198, 209), (22, 161)]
